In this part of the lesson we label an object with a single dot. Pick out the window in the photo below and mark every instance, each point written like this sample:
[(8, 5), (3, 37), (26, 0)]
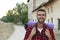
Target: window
[(33, 19), (48, 20), (48, 10), (51, 20), (34, 4), (51, 9)]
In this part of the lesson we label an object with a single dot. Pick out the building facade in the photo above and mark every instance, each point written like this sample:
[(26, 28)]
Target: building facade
[(52, 8)]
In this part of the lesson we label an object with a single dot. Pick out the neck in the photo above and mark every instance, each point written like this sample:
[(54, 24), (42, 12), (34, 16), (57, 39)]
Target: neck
[(40, 25)]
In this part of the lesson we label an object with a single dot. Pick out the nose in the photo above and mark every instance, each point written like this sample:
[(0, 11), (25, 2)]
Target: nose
[(41, 16)]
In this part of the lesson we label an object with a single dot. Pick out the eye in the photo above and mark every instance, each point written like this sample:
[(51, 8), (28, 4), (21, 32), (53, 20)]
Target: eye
[(43, 15), (39, 14)]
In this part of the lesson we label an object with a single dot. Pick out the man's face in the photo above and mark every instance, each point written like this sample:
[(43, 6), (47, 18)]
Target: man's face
[(41, 16)]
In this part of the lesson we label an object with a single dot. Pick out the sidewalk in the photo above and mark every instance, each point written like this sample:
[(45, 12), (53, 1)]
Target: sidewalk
[(18, 34)]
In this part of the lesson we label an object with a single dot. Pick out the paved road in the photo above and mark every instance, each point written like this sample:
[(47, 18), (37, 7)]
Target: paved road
[(18, 34)]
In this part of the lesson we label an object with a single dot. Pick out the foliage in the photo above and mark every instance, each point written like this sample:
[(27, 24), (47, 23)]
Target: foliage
[(18, 14)]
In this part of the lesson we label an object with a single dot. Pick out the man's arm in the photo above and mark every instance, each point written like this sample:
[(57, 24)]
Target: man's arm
[(30, 34), (29, 38), (27, 33), (50, 34)]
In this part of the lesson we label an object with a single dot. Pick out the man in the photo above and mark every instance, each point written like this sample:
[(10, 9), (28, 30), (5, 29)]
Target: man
[(39, 31)]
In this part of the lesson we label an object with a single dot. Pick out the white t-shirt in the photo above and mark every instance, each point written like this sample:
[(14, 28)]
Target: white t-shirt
[(40, 29)]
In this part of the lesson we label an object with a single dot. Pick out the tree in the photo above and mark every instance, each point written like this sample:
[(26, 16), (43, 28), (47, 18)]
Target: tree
[(23, 12), (4, 18), (18, 14)]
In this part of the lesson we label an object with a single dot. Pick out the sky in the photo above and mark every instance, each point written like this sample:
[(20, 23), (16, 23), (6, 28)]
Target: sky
[(6, 5)]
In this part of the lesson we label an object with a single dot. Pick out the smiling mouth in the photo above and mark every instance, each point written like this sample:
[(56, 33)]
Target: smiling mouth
[(41, 18)]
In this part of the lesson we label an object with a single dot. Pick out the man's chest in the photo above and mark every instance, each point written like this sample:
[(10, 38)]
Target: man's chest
[(40, 36)]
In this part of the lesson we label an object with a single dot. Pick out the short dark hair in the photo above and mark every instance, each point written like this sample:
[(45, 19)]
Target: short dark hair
[(41, 10)]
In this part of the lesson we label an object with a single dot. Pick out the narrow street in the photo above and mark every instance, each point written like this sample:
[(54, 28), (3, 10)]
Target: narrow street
[(18, 34)]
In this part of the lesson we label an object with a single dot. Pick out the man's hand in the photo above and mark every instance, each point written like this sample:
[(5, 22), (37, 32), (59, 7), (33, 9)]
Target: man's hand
[(48, 34), (33, 31)]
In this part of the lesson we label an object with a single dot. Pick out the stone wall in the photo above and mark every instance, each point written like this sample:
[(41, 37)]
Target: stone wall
[(6, 29)]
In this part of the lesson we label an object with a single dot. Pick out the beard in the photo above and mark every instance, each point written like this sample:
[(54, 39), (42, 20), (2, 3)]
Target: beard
[(41, 21)]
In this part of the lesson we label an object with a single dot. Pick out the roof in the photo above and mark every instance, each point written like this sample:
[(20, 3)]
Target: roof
[(43, 4)]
